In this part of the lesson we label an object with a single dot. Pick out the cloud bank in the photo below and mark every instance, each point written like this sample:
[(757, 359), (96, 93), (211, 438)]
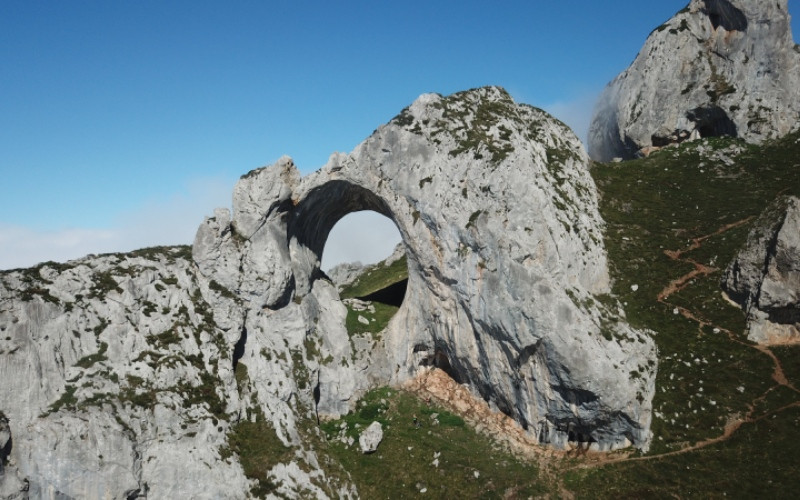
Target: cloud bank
[(365, 237), (171, 221)]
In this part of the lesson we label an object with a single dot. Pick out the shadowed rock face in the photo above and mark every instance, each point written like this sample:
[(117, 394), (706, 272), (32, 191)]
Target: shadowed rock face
[(764, 277), (718, 67), (722, 13), (498, 217)]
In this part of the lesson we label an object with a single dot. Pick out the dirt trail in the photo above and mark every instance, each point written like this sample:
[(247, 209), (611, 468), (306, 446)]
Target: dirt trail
[(434, 384), (736, 422)]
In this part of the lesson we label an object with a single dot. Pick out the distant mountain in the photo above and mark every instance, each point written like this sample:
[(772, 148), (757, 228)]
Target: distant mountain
[(717, 68)]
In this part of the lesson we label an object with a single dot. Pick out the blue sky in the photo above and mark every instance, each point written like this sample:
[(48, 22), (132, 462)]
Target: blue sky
[(122, 124)]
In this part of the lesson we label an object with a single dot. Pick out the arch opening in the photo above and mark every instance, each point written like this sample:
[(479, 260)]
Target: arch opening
[(338, 223)]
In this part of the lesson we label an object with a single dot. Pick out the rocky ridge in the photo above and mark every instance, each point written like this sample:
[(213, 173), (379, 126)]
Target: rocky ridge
[(718, 67), (128, 375), (497, 214), (764, 277)]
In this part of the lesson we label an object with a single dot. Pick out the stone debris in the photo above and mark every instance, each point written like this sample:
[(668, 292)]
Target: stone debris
[(370, 438)]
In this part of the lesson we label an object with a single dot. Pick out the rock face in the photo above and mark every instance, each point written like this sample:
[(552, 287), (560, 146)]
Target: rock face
[(124, 376), (764, 278), (498, 217), (718, 67), (372, 436)]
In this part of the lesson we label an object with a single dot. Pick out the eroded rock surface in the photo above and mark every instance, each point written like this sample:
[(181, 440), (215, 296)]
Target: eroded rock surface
[(764, 278), (718, 67), (125, 376), (498, 216)]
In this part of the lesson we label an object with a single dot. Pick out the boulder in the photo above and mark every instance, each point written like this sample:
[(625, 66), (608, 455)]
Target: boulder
[(498, 218), (764, 277), (718, 67), (372, 436)]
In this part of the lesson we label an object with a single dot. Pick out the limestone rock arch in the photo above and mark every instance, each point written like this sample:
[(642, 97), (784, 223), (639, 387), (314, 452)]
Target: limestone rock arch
[(498, 214)]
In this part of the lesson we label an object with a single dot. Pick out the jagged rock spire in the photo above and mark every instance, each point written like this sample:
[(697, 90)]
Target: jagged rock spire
[(718, 67)]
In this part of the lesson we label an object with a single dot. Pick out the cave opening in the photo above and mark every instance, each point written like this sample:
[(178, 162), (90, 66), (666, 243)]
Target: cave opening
[(723, 13), (712, 121)]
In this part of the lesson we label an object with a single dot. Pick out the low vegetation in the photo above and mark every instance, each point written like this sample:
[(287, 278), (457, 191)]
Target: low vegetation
[(440, 456), (722, 425), (377, 277), (374, 280)]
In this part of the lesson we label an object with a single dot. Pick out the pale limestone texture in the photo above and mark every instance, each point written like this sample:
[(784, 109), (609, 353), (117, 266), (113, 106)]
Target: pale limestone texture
[(122, 375), (718, 67), (764, 277)]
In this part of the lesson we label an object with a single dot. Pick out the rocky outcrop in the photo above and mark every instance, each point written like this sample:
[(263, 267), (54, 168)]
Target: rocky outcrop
[(718, 67), (135, 375), (370, 438), (498, 217), (764, 278)]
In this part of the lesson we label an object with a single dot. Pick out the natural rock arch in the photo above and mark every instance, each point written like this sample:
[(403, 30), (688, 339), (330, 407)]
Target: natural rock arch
[(318, 212), (498, 215)]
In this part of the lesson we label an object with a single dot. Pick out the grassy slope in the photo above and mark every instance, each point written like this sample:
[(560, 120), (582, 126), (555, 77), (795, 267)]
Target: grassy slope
[(373, 279), (377, 277), (468, 464), (705, 377)]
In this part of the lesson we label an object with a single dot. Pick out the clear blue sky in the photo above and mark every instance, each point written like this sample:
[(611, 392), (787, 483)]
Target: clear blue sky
[(123, 123)]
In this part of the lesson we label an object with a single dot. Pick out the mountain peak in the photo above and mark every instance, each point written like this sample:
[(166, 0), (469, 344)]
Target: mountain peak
[(716, 68)]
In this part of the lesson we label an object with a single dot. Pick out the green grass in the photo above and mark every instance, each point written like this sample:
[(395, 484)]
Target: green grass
[(377, 321), (662, 203), (376, 278), (403, 462), (259, 449)]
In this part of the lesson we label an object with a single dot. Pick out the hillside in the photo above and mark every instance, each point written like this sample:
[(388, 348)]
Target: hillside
[(726, 411)]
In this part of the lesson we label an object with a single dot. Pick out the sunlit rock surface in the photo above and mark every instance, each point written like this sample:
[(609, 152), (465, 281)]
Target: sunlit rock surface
[(121, 376), (718, 67), (764, 278)]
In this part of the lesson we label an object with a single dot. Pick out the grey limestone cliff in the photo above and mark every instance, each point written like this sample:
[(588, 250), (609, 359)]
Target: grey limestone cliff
[(498, 217), (125, 375), (764, 277), (718, 67)]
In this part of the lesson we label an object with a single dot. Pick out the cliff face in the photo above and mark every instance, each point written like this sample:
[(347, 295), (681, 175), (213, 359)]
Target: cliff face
[(718, 67), (498, 216), (764, 278), (123, 375)]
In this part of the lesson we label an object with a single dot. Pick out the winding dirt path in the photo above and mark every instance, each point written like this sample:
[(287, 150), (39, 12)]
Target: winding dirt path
[(736, 421)]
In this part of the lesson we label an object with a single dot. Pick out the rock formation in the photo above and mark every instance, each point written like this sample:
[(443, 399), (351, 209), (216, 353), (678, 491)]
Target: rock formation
[(718, 67), (498, 216), (764, 278), (124, 375), (372, 436)]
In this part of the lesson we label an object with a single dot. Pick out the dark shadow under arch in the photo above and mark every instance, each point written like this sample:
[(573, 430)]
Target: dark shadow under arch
[(324, 206)]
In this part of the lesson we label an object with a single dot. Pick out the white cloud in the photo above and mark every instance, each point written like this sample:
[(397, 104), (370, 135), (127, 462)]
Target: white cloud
[(365, 237), (169, 221), (577, 113)]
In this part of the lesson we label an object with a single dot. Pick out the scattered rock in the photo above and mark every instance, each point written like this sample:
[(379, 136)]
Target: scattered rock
[(371, 438)]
